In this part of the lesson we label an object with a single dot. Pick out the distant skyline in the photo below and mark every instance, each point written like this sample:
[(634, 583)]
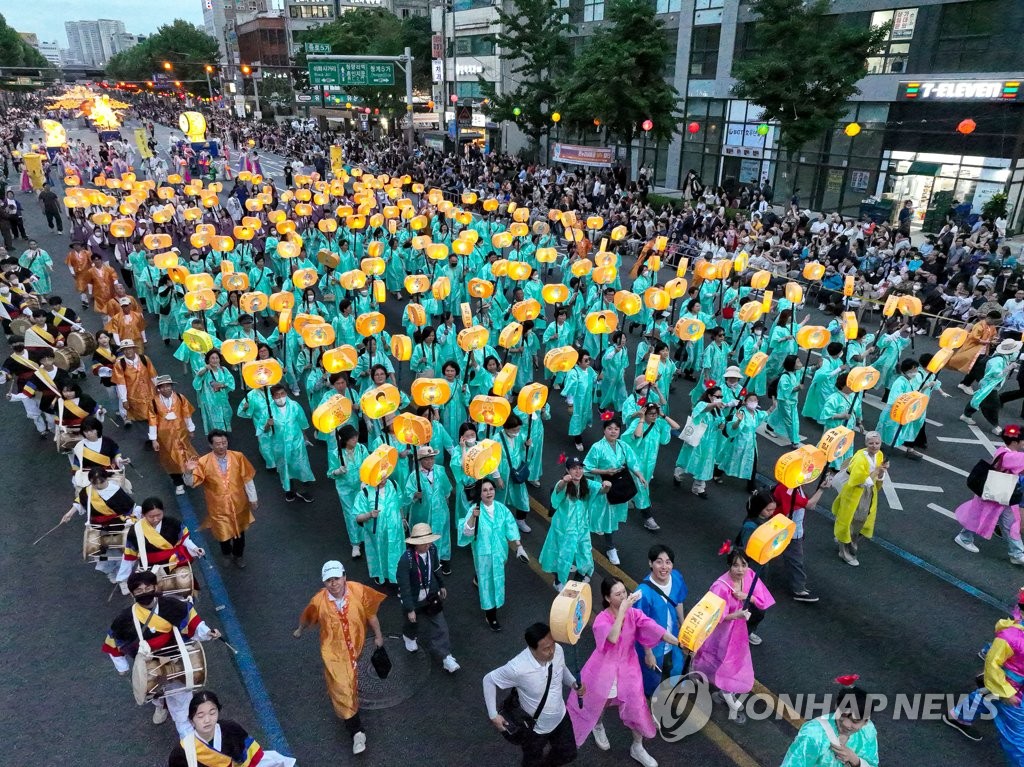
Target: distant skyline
[(46, 18)]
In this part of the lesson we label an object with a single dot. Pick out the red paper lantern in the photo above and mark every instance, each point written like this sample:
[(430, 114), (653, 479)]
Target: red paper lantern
[(454, 99), (693, 127), (647, 125), (966, 126)]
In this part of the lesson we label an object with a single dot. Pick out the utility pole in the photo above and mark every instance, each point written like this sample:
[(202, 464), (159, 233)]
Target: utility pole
[(455, 78)]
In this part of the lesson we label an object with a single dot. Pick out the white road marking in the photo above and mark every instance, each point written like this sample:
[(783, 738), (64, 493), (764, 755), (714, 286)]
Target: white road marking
[(942, 511), (918, 488), (778, 440), (983, 439)]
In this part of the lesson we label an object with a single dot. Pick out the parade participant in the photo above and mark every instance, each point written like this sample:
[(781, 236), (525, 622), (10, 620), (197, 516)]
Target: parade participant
[(737, 452), (887, 427), (213, 383), (614, 363), (127, 324), (646, 438), (429, 496), (821, 382), (95, 450), (17, 369), (663, 595), (998, 370), (422, 593), (345, 454), (846, 737), (978, 516), (135, 378), (171, 430), (343, 610), (699, 459), (78, 262), (857, 503), (784, 420), (45, 383), (42, 336), (107, 506), (612, 674), (535, 428), (230, 493), (285, 421), (380, 512), (794, 506), (157, 539), (99, 283), (532, 674), (970, 358), (612, 460), (214, 739), (63, 318), (72, 407), (578, 391), (38, 261), (152, 619), (725, 657), (567, 548), (490, 530), (514, 470)]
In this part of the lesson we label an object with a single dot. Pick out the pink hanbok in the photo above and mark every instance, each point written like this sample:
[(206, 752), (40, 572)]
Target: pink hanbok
[(725, 657), (616, 664), (26, 182), (980, 516)]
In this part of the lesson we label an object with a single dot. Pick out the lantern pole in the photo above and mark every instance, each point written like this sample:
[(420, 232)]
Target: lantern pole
[(807, 361), (266, 393), (416, 465)]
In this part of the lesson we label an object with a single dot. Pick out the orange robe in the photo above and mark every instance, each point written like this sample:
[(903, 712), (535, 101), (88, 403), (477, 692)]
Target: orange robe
[(977, 344), (102, 281), (228, 513), (79, 262), (114, 306), (127, 326), (172, 433), (138, 381), (342, 636)]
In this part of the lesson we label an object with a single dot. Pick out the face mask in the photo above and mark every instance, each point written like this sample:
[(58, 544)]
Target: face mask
[(751, 406), (145, 599), (470, 442), (279, 402)]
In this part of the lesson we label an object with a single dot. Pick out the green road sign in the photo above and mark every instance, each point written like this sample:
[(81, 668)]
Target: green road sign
[(351, 73), (324, 73), (318, 47)]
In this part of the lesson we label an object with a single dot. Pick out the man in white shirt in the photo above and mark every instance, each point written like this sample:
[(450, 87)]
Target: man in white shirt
[(1016, 303), (537, 673)]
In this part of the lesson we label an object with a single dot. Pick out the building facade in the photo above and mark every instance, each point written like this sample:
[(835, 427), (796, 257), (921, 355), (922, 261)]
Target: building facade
[(303, 15), (95, 42)]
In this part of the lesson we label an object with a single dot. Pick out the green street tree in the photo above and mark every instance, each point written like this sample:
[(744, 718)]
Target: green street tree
[(534, 37), (185, 46), (805, 67), (374, 32), (15, 52), (620, 75)]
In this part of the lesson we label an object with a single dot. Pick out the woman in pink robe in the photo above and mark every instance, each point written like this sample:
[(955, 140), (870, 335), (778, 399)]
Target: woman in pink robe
[(725, 657), (612, 674), (979, 517)]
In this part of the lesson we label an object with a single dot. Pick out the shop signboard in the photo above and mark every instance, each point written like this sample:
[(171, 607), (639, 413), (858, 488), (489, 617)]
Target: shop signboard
[(960, 90), (859, 180), (575, 154)]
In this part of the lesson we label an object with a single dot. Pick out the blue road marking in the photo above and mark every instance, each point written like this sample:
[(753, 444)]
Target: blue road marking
[(266, 716)]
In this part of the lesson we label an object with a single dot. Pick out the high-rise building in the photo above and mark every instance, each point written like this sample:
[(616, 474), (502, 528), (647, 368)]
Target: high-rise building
[(221, 19), (51, 52), (303, 15), (95, 42)]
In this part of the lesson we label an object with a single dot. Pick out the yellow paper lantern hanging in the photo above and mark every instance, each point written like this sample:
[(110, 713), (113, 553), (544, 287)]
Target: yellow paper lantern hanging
[(235, 351), (689, 329), (340, 359), (370, 323), (813, 271), (253, 302), (430, 391), (836, 442), (380, 401), (401, 347), (862, 378), (282, 301), (333, 412), (198, 341), (157, 241), (482, 459), (526, 310), (759, 280), (953, 338), (505, 379), (260, 373), (555, 293), (800, 466), (490, 411), (561, 359), (378, 465), (532, 398), (317, 335), (602, 322), (473, 338), (813, 337), (770, 539), (939, 360), (627, 302), (908, 407), (755, 364), (510, 335)]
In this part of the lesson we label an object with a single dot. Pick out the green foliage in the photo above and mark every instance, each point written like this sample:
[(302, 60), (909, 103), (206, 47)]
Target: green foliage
[(805, 67), (374, 32), (533, 32), (187, 47), (619, 76), (15, 52), (994, 207)]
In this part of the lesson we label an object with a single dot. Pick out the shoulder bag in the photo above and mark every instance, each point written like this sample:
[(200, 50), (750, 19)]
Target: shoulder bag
[(517, 721)]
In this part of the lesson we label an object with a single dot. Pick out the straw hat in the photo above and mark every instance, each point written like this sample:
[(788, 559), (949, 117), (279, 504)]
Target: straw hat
[(421, 533)]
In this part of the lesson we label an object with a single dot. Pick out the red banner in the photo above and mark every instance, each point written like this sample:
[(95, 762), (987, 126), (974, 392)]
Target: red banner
[(576, 154)]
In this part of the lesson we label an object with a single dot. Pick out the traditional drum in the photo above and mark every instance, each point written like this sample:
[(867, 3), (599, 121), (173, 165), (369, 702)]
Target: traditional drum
[(82, 342), (66, 359), (174, 583), (102, 544), (19, 325), (66, 438), (186, 665)]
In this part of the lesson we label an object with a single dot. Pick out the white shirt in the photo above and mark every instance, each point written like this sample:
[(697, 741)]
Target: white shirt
[(530, 678)]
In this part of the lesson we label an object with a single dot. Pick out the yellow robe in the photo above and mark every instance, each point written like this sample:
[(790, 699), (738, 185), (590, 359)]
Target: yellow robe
[(342, 636), (175, 443), (845, 505), (139, 384), (228, 513)]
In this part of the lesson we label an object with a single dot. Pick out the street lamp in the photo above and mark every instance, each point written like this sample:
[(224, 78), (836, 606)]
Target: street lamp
[(647, 125), (209, 87), (167, 66)]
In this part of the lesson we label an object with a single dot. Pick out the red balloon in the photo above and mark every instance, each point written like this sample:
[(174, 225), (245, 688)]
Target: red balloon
[(647, 125), (966, 126), (693, 127)]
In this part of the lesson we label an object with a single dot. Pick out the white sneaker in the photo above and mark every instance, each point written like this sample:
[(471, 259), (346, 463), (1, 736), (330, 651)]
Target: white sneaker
[(965, 545), (965, 389), (410, 644), (356, 552), (450, 664), (650, 524), (1017, 560), (967, 419), (613, 556), (755, 639), (639, 753), (179, 490), (521, 524), (159, 714), (601, 737), (359, 743), (997, 430)]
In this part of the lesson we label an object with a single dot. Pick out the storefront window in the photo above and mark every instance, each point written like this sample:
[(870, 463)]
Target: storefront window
[(466, 5), (704, 51), (893, 59), (668, 6), (311, 12), (473, 45)]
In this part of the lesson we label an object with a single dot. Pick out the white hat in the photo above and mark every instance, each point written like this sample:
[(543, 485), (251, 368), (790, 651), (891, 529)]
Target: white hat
[(161, 380), (1008, 346), (733, 372), (127, 344), (332, 569), (124, 301), (426, 452)]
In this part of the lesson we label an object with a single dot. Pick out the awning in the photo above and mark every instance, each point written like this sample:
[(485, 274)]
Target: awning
[(924, 169)]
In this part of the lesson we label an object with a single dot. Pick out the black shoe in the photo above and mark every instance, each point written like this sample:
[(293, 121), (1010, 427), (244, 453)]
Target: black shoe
[(968, 731), (128, 425), (303, 497), (446, 567), (805, 596), (45, 435), (289, 497), (271, 470), (493, 623), (999, 531), (167, 342)]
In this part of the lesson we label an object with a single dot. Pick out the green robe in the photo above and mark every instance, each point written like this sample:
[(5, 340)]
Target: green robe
[(821, 387), (513, 453), (886, 426), (606, 517), (737, 453), (533, 425), (699, 460), (495, 527), (254, 407), (567, 545), (646, 448), (785, 419), (344, 470), (835, 405), (287, 441), (383, 537), (613, 381), (433, 506), (214, 406), (993, 380), (812, 747), (579, 392)]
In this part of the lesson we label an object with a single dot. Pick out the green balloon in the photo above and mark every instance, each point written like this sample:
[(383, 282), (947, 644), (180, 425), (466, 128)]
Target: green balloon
[(762, 130), (517, 111)]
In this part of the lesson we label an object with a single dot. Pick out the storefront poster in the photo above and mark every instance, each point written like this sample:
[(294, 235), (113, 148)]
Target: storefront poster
[(575, 154), (834, 181), (859, 180), (749, 169), (983, 192)]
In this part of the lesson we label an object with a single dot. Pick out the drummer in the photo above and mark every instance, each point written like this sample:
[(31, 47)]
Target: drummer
[(152, 619), (64, 318), (77, 406), (18, 367), (156, 539), (109, 507), (95, 450), (42, 335), (47, 381)]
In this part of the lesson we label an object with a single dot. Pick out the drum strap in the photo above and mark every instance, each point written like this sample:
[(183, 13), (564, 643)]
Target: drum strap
[(160, 625), (45, 378)]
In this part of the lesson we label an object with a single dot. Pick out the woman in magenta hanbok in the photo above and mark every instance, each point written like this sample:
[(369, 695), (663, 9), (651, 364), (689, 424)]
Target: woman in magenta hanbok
[(979, 517), (725, 657), (612, 674)]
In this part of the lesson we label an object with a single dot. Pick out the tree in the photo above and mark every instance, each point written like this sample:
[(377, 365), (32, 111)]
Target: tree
[(15, 52), (534, 33), (805, 67), (187, 48), (374, 32), (619, 76)]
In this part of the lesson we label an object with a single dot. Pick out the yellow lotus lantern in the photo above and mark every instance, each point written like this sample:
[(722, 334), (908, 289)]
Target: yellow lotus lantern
[(501, 240), (421, 242), (794, 293), (254, 204), (766, 302), (401, 347), (909, 306), (253, 302), (286, 249), (519, 230), (510, 335), (437, 251), (800, 466), (304, 278), (688, 329), (862, 378), (602, 322), (770, 539), (619, 233), (222, 244), (260, 373), (561, 359), (532, 398), (850, 326), (378, 465), (939, 360), (157, 241), (546, 255), (198, 341), (354, 279), (328, 259), (555, 293), (101, 219), (628, 303), (340, 359), (479, 288), (701, 622), (759, 280), (176, 272), (199, 281), (908, 407), (952, 338), (284, 321), (482, 459), (462, 247), (491, 411), (813, 337), (441, 288), (380, 401), (848, 286), (417, 314), (490, 205), (505, 379), (166, 260), (519, 270), (582, 267), (706, 270), (473, 338), (370, 323), (604, 275), (238, 350), (235, 281), (519, 214), (412, 429), (122, 227), (656, 298), (198, 240), (750, 312), (526, 310), (282, 301), (676, 288), (317, 335), (595, 222), (333, 412), (836, 442), (430, 391), (464, 217)]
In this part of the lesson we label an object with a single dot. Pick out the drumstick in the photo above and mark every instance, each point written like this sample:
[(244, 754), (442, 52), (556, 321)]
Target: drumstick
[(47, 532), (111, 596), (233, 650)]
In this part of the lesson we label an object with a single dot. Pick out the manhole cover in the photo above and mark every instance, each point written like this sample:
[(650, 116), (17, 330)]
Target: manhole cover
[(408, 673)]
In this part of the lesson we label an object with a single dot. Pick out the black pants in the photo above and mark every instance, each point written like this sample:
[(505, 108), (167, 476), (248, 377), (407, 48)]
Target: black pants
[(989, 408), (1010, 396), (178, 480), (53, 219), (756, 616), (353, 724), (234, 547), (562, 743), (976, 372), (18, 225)]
